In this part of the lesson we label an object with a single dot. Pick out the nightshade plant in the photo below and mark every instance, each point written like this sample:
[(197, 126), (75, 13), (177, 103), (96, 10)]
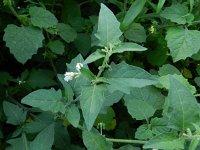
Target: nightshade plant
[(130, 82)]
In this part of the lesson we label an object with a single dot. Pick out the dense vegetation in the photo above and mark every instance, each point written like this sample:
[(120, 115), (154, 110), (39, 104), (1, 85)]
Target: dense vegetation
[(99, 74)]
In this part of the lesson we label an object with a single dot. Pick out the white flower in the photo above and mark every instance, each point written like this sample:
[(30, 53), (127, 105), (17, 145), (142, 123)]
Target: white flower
[(69, 76), (79, 66)]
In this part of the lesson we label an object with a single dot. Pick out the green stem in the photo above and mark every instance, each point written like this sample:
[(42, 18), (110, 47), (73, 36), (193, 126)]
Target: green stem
[(126, 141), (104, 65)]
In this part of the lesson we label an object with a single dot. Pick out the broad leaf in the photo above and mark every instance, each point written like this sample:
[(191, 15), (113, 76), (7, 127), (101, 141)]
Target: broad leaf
[(182, 43), (47, 100), (20, 143), (128, 147), (42, 18), (148, 94), (167, 141), (159, 125), (44, 140), (112, 98), (181, 102), (132, 13), (168, 69), (15, 115), (108, 31), (41, 78), (94, 56), (165, 82), (94, 141), (139, 109), (4, 77), (57, 47), (91, 100), (123, 77), (143, 132), (135, 33), (176, 13), (67, 33), (73, 115), (128, 46), (23, 42)]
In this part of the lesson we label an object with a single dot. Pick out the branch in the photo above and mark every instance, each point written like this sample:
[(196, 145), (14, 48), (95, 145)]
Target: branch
[(126, 141)]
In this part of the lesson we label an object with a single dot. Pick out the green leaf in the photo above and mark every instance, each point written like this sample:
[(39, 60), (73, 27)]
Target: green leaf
[(135, 33), (108, 31), (40, 122), (94, 141), (143, 132), (165, 82), (18, 144), (112, 98), (42, 18), (160, 5), (44, 140), (139, 109), (176, 13), (61, 136), (68, 91), (67, 33), (47, 100), (23, 42), (57, 47), (132, 13), (41, 78), (159, 125), (197, 81), (128, 147), (167, 141), (73, 115), (123, 77), (91, 100), (148, 94), (80, 81), (83, 43), (181, 102), (182, 43), (94, 56), (15, 115), (4, 77), (128, 46), (168, 69)]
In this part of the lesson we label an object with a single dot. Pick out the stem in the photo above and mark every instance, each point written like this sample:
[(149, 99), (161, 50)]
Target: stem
[(53, 66), (104, 65), (197, 95), (14, 12), (25, 141), (126, 141)]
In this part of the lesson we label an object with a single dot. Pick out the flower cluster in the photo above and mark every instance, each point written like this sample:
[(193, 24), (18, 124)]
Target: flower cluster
[(71, 75)]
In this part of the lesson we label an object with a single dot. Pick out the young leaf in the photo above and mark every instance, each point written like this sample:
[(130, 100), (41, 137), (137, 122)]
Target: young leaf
[(94, 56), (15, 115), (182, 43), (91, 100), (181, 102), (128, 46), (23, 42), (73, 115), (47, 100), (40, 78), (139, 109), (94, 141), (67, 33), (132, 13), (108, 31), (123, 77), (41, 17), (176, 13), (148, 94), (165, 141), (168, 69), (160, 5), (44, 140), (128, 147)]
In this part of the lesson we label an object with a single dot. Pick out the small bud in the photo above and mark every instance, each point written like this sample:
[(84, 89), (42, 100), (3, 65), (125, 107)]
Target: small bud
[(79, 66)]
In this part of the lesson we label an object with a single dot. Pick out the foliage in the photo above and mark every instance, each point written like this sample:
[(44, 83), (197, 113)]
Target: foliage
[(99, 74)]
